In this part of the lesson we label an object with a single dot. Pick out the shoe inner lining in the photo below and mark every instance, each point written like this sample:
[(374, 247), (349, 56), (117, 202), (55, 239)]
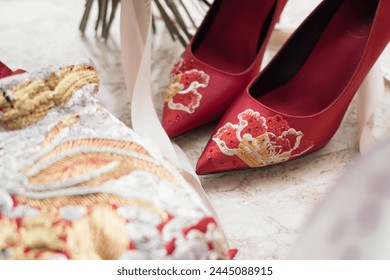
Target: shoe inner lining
[(233, 33)]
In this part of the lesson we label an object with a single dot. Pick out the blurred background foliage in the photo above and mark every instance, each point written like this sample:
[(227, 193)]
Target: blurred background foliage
[(180, 16)]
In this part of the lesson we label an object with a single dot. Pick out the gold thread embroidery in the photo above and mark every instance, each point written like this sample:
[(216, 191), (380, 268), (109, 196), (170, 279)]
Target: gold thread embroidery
[(7, 232), (91, 142), (100, 235), (33, 100), (90, 200), (55, 131), (72, 82), (38, 232), (77, 165)]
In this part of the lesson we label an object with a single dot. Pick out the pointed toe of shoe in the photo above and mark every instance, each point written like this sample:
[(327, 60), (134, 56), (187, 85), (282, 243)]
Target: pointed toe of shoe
[(214, 160), (175, 122), (248, 138), (202, 166)]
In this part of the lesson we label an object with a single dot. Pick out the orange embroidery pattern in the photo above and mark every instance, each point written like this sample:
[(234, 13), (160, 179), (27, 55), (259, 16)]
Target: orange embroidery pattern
[(91, 162), (56, 130)]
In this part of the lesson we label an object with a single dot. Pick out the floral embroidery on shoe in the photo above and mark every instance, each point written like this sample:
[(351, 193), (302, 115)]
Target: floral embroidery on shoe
[(260, 141), (182, 91)]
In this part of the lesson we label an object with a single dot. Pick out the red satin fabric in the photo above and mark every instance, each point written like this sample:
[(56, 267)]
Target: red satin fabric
[(314, 116), (224, 56)]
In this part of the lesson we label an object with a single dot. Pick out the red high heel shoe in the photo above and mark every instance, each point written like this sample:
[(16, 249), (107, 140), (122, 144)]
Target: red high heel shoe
[(296, 104), (223, 57)]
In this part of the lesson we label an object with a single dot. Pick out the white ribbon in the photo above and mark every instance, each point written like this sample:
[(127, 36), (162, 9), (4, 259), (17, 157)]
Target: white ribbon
[(136, 57)]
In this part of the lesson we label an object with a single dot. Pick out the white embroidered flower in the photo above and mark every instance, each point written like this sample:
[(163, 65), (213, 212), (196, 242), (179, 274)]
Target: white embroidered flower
[(182, 91), (217, 239), (175, 226)]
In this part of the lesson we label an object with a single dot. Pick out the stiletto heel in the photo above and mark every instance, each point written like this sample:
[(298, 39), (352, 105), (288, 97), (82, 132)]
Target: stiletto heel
[(223, 57), (296, 104)]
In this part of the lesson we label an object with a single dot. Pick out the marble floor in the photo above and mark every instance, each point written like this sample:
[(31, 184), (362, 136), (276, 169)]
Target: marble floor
[(263, 210)]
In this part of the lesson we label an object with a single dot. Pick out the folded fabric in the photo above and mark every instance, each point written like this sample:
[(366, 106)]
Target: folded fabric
[(76, 183), (5, 71)]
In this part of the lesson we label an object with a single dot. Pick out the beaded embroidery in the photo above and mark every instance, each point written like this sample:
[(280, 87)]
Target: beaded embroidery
[(260, 141)]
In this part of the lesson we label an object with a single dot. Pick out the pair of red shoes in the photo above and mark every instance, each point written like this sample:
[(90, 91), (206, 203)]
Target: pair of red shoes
[(295, 105)]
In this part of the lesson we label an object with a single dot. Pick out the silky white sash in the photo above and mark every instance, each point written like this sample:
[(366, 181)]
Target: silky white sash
[(136, 57)]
